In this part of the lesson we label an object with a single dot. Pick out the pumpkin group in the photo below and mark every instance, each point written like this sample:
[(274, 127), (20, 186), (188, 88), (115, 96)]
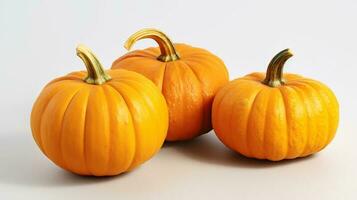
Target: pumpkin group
[(188, 77), (99, 122), (275, 116)]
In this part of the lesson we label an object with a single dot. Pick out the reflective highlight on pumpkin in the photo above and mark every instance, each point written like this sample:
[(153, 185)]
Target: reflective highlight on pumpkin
[(100, 130), (277, 122)]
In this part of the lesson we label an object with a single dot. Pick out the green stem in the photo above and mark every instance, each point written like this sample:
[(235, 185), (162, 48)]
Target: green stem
[(274, 74), (96, 74), (167, 49)]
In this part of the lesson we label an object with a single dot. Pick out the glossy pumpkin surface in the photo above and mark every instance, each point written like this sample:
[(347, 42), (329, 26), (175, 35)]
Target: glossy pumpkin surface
[(275, 116), (188, 77), (99, 123)]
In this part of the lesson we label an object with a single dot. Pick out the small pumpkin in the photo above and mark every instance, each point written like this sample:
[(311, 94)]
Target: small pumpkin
[(275, 116), (188, 77), (99, 122)]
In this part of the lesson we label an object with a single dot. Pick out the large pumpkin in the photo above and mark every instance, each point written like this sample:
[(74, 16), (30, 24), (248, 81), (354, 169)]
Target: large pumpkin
[(275, 116), (99, 123), (189, 77)]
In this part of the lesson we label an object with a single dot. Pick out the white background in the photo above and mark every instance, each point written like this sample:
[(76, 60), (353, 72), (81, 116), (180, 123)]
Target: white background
[(37, 44)]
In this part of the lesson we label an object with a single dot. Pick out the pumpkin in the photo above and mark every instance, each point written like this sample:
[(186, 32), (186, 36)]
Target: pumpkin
[(188, 77), (99, 122), (275, 116)]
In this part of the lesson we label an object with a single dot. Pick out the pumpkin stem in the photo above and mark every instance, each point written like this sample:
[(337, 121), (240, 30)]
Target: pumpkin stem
[(96, 74), (274, 74), (167, 49)]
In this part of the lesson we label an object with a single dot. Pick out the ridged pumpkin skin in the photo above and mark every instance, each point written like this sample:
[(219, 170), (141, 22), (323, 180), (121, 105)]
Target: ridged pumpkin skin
[(293, 120), (189, 85), (102, 129)]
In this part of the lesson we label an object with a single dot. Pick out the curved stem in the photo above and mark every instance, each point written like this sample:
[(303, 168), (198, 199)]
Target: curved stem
[(167, 49), (96, 73), (274, 74)]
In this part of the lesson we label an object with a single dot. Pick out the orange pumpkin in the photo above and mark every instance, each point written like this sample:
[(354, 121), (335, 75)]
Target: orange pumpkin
[(99, 122), (189, 77), (275, 116)]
